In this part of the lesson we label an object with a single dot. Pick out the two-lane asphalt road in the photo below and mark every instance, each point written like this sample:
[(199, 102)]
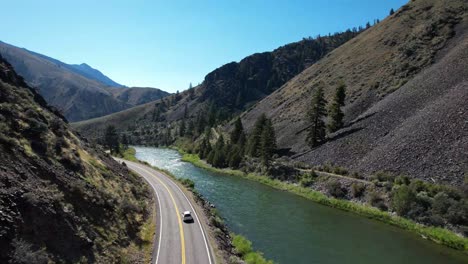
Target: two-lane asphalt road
[(177, 242)]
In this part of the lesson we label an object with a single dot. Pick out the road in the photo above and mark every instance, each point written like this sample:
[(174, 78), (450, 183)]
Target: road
[(177, 242)]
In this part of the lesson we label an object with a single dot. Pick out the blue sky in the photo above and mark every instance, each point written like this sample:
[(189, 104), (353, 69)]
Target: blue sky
[(168, 44)]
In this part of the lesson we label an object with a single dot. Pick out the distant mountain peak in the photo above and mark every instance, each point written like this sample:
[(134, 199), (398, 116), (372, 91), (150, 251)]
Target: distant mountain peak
[(94, 74)]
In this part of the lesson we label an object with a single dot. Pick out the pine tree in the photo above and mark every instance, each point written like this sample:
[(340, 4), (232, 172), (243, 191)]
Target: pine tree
[(189, 132), (182, 128), (201, 122), (191, 91), (125, 141), (237, 131), (204, 148), (235, 157), (185, 111), (335, 115), (316, 132), (392, 11), (340, 93), (255, 136), (212, 115), (219, 158), (111, 139), (268, 142)]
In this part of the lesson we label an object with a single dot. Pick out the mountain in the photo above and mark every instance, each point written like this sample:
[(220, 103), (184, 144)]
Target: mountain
[(407, 91), (405, 110), (93, 74), (229, 89), (61, 201), (82, 69), (68, 87)]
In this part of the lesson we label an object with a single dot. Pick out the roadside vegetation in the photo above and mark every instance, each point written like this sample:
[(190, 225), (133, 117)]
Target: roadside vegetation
[(244, 248), (370, 209), (241, 245)]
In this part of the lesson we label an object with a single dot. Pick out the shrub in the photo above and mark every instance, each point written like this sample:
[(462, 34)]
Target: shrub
[(242, 245), (402, 199), (402, 180), (334, 189), (340, 170), (357, 175), (457, 213), (187, 183), (24, 253), (441, 203), (357, 189), (383, 176), (376, 200), (256, 258), (308, 179)]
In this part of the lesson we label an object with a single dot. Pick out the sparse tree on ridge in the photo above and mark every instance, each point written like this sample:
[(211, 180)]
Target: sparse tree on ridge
[(392, 11), (191, 91), (316, 133)]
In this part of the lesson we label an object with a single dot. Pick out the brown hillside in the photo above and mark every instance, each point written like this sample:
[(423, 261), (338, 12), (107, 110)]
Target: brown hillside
[(61, 201), (407, 88)]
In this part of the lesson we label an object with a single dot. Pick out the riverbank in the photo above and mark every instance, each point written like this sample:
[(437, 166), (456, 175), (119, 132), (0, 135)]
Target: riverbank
[(231, 247), (435, 234)]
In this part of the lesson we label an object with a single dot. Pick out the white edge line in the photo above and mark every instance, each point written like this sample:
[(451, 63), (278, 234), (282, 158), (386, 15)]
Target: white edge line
[(160, 216), (201, 227)]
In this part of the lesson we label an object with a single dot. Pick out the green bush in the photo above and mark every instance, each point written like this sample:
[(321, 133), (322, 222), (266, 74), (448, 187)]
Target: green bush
[(340, 170), (244, 248), (357, 175), (402, 199), (376, 200), (308, 179), (383, 176), (334, 189), (187, 183), (357, 189), (441, 203), (402, 180), (242, 245), (256, 258)]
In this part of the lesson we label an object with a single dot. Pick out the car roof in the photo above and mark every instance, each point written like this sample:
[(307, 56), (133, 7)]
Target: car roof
[(187, 212)]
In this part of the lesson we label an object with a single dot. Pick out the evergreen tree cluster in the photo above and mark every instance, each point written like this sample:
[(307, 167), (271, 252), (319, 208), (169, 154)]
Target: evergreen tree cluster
[(262, 140), (261, 143), (317, 131)]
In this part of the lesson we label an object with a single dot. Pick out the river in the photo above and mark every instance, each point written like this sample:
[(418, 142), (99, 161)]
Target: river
[(290, 229)]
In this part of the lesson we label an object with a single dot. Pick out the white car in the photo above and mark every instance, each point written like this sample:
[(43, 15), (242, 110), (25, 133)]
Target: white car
[(187, 217)]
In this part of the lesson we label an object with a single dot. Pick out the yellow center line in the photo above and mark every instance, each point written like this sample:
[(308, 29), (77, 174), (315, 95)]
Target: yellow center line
[(181, 227)]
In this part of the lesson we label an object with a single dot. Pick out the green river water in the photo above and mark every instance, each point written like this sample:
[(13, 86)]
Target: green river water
[(290, 229)]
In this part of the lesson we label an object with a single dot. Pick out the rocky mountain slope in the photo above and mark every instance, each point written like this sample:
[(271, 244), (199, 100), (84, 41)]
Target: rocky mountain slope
[(228, 90), (69, 87), (93, 74), (61, 201), (407, 92), (405, 110)]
